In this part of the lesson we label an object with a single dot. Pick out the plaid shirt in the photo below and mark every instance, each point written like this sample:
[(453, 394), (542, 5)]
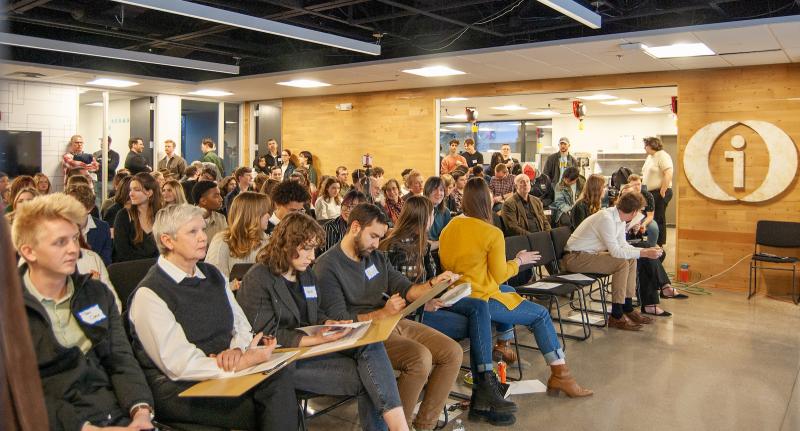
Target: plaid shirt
[(502, 186), (402, 256)]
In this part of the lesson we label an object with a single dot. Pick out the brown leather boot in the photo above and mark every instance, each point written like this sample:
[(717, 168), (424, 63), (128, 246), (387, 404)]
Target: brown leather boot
[(623, 323), (561, 380), (503, 351)]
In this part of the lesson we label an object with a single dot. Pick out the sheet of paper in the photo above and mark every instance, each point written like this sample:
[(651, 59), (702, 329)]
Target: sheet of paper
[(312, 330), (575, 277), (576, 317), (276, 360), (637, 219), (525, 387), (456, 294), (347, 340), (543, 285)]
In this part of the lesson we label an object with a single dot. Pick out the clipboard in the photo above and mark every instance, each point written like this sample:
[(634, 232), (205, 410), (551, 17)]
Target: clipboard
[(419, 302), (234, 386)]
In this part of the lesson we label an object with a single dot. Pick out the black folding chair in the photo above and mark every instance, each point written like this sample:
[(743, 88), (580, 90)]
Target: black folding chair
[(560, 236), (125, 276), (541, 242), (779, 234), (515, 244)]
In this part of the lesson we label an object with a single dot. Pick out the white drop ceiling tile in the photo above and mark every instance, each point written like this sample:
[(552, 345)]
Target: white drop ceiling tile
[(557, 56), (755, 58), (604, 47), (664, 39), (698, 62), (747, 39), (787, 33), (794, 54)]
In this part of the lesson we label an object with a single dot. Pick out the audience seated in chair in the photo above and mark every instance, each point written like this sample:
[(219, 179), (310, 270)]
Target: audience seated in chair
[(523, 213), (566, 192), (598, 245), (133, 238), (353, 278), (89, 375), (244, 236), (279, 295), (186, 327), (336, 228), (473, 247), (288, 196), (409, 252), (206, 195)]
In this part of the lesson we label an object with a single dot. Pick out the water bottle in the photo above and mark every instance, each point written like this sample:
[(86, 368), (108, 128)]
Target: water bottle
[(459, 426), (683, 273)]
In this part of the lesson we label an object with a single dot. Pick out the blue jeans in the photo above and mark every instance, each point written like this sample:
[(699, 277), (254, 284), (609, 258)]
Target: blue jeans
[(651, 231), (365, 372), (469, 318), (536, 318)]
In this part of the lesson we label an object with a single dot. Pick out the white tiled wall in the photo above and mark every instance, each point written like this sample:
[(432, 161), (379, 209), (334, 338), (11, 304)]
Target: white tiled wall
[(48, 108)]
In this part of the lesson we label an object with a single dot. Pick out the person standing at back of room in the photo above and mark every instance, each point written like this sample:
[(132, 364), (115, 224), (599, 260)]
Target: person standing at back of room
[(558, 162), (135, 162), (657, 174), (452, 160), (172, 162), (471, 155), (208, 147)]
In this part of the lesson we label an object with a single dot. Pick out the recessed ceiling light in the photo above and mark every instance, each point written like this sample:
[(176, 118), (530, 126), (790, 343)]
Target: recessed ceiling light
[(456, 126), (304, 83), (509, 108), (230, 122), (95, 104), (545, 113), (457, 117), (597, 97), (620, 102), (486, 129), (678, 50), (546, 127), (110, 82), (434, 71), (210, 93), (646, 109), (444, 129), (454, 99)]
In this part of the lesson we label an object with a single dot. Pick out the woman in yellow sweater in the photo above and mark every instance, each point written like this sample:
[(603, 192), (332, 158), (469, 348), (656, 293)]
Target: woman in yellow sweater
[(471, 246)]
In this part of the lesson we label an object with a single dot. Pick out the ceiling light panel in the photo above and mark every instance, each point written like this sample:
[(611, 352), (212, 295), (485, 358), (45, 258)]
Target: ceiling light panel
[(647, 109), (679, 50), (620, 102), (434, 71), (455, 99), (575, 11), (510, 108), (210, 93), (597, 97), (304, 83), (545, 113), (111, 82)]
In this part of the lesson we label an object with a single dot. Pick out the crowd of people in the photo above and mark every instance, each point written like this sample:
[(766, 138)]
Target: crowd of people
[(325, 249)]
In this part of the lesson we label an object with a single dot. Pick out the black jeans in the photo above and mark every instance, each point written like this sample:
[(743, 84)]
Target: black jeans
[(272, 405), (660, 216), (651, 277)]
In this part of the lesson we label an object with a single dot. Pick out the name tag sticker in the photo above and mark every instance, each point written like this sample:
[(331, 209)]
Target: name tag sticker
[(371, 272), (310, 291), (92, 315), (548, 212)]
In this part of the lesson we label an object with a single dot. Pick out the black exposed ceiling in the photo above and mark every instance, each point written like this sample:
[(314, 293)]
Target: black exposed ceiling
[(406, 28)]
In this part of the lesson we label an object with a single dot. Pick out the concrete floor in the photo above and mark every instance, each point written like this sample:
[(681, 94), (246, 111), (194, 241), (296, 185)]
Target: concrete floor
[(720, 363)]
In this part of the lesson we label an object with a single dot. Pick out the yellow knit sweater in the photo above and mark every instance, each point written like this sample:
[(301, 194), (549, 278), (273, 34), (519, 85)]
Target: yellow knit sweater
[(477, 250)]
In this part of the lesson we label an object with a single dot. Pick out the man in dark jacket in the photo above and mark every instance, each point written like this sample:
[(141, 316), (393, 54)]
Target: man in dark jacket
[(89, 374), (558, 162), (135, 161)]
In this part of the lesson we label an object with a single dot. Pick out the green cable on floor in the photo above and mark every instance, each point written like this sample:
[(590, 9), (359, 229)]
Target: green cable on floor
[(686, 287)]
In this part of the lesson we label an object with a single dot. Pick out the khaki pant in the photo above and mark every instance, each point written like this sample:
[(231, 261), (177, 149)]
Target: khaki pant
[(623, 271), (423, 355)]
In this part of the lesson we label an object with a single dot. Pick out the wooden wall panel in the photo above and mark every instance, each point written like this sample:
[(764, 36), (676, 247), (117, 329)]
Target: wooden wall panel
[(399, 128)]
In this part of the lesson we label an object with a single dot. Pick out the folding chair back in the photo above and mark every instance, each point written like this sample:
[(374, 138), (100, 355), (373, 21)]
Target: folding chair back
[(515, 244), (125, 276), (784, 234), (541, 242)]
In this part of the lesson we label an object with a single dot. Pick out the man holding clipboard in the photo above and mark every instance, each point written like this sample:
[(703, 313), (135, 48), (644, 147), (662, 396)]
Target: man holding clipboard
[(354, 278)]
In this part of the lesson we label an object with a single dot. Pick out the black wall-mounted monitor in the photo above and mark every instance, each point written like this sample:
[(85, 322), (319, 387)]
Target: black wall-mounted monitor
[(20, 152)]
